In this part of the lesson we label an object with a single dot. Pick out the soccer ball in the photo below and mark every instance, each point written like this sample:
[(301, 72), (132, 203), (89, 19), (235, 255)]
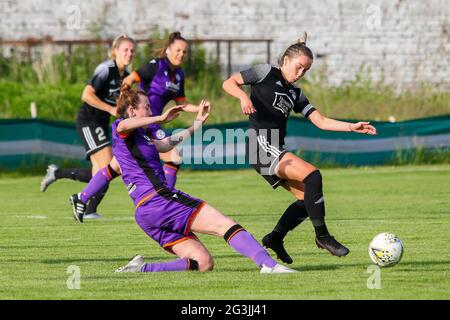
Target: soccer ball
[(386, 249)]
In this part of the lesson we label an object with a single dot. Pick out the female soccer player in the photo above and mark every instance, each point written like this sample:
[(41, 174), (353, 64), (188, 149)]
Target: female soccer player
[(162, 79), (92, 123), (167, 215), (273, 97)]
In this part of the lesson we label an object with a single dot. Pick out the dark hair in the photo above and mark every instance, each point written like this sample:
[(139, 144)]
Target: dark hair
[(296, 49), (128, 97), (172, 38)]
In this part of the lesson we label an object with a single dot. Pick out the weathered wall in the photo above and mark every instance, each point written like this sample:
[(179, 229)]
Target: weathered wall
[(403, 42)]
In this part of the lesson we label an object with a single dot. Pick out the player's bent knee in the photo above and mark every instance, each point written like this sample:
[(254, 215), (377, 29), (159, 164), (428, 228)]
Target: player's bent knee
[(314, 179), (205, 263)]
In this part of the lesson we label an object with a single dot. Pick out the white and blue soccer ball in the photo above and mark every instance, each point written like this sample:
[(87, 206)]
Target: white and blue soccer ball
[(386, 249)]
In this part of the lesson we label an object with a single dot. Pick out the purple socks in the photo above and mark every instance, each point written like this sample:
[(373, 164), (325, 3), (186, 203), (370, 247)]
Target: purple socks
[(98, 183), (175, 265), (244, 243)]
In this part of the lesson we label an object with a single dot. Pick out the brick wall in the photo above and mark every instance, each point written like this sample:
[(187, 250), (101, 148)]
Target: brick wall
[(402, 42)]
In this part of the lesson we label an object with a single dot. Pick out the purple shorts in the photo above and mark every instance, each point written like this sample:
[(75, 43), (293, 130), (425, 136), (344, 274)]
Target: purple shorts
[(167, 218)]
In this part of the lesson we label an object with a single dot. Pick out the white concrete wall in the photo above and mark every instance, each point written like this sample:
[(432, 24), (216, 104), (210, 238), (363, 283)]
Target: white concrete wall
[(404, 42)]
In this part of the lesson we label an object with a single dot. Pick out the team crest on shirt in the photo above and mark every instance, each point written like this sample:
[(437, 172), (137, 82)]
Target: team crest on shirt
[(160, 134), (283, 103), (293, 94)]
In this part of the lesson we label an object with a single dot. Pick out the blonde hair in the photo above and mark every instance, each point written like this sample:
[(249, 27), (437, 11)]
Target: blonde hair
[(117, 42), (298, 48)]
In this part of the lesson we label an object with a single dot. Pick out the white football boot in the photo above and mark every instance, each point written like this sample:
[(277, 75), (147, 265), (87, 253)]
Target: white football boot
[(278, 268), (49, 177), (134, 265)]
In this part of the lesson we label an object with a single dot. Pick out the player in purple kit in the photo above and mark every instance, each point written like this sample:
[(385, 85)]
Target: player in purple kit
[(167, 215), (162, 79), (99, 99)]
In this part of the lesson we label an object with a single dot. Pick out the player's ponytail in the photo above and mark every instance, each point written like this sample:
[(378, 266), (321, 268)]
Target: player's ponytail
[(116, 44), (302, 39), (128, 97), (172, 38), (296, 49)]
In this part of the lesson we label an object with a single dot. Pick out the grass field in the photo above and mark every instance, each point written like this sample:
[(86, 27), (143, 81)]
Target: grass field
[(39, 239)]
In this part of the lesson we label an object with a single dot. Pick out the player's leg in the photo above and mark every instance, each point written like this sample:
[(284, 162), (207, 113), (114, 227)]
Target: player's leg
[(193, 249), (293, 168), (100, 159), (99, 182), (291, 218), (193, 256), (172, 163), (55, 173), (209, 220)]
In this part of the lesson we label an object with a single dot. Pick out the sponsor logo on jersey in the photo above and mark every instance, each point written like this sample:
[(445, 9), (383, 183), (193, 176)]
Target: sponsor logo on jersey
[(172, 86), (148, 139), (283, 103)]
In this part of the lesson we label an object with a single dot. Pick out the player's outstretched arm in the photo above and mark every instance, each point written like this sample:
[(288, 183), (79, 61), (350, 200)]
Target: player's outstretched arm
[(169, 143), (325, 123), (127, 125)]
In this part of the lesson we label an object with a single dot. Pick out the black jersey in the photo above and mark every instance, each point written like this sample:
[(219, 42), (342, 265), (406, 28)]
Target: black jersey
[(273, 98), (106, 81)]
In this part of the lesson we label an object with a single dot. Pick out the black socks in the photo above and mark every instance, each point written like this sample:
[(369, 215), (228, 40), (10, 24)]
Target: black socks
[(79, 174), (314, 202), (291, 218)]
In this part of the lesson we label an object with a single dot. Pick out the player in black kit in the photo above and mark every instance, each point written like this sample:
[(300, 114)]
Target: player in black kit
[(273, 96), (99, 103)]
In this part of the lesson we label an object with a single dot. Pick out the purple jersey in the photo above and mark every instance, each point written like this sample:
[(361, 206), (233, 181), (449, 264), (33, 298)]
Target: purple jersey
[(139, 161), (165, 214), (161, 84)]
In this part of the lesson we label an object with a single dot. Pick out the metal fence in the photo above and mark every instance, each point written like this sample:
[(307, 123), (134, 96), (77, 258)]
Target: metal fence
[(31, 44)]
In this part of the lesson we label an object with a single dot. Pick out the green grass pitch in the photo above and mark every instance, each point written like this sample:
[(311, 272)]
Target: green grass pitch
[(39, 239)]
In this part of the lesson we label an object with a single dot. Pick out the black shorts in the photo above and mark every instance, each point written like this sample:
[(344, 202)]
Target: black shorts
[(95, 135), (264, 155)]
